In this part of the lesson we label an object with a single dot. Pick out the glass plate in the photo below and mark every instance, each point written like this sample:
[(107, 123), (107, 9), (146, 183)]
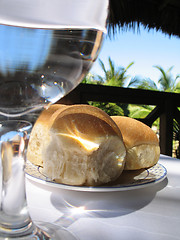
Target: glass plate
[(127, 181)]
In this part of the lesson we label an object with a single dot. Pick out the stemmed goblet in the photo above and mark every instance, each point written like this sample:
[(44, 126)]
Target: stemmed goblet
[(46, 48)]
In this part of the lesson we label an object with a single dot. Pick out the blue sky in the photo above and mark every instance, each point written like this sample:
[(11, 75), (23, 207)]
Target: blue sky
[(145, 48), (29, 47)]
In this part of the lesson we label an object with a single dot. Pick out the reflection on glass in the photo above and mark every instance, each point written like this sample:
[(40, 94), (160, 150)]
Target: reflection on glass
[(40, 66), (24, 49)]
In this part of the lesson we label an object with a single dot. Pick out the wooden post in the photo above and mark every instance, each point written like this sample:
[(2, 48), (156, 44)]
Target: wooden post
[(166, 128)]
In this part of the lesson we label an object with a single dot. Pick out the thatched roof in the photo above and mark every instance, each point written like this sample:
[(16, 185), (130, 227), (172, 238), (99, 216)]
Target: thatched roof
[(161, 15)]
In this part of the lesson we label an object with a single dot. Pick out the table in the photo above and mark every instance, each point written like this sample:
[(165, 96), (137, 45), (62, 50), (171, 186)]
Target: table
[(150, 213)]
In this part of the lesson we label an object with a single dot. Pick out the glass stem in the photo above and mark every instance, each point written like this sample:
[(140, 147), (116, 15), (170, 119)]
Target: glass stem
[(14, 216)]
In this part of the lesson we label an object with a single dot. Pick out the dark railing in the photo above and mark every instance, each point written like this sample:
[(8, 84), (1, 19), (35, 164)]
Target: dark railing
[(166, 106)]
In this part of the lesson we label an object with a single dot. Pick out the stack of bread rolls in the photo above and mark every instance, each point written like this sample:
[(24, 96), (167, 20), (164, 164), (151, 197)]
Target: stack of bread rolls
[(77, 145), (82, 145)]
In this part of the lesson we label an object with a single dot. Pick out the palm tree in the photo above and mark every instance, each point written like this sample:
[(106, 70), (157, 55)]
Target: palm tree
[(140, 83), (166, 81), (114, 76)]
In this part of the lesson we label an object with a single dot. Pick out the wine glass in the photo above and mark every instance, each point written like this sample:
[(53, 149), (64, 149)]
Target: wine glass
[(46, 48)]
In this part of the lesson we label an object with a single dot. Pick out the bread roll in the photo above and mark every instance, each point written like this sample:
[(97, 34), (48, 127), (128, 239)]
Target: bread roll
[(81, 146), (40, 133), (141, 142)]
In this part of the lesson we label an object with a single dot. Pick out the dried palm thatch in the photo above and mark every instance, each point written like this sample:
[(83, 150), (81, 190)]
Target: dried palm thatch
[(161, 15)]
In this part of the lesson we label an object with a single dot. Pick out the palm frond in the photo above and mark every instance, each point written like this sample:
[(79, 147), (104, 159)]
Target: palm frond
[(103, 66), (139, 83)]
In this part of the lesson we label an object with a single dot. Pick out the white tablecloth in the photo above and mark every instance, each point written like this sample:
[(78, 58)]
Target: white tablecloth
[(150, 213)]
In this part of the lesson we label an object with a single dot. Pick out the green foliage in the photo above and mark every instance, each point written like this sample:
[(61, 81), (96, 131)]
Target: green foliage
[(117, 76), (111, 109), (114, 76), (177, 87), (139, 83), (139, 111), (166, 81), (91, 79)]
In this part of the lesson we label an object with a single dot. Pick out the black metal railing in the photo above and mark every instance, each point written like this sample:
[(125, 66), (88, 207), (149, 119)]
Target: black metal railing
[(166, 106)]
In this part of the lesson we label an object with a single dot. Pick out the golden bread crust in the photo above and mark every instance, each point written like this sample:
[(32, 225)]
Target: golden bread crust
[(135, 132), (141, 142)]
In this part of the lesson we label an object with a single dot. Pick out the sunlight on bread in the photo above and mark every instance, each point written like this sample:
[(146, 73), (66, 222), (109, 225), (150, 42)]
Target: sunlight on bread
[(88, 145)]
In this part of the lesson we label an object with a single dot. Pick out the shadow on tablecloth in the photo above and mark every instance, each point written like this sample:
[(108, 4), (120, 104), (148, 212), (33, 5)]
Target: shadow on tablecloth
[(75, 204)]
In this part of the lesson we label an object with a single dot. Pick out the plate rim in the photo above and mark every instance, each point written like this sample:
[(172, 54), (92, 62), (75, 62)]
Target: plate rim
[(103, 188)]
